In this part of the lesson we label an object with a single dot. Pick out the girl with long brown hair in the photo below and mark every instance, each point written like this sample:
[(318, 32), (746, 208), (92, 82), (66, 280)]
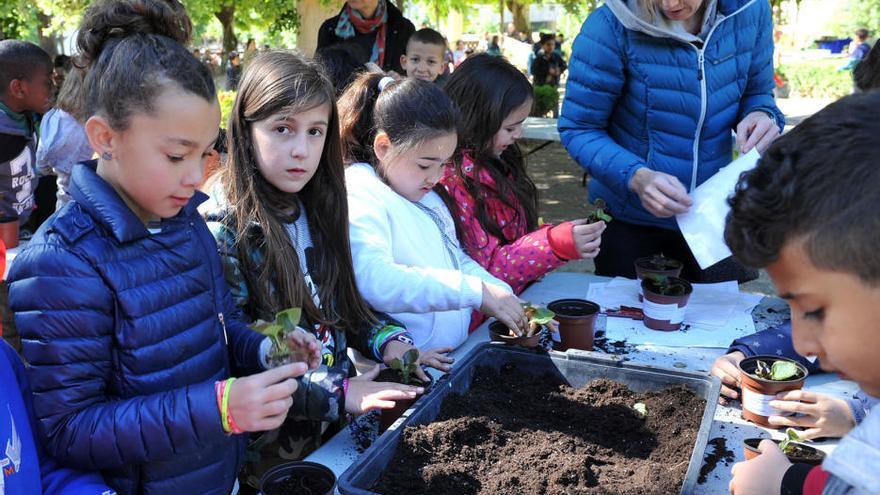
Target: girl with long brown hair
[(281, 223)]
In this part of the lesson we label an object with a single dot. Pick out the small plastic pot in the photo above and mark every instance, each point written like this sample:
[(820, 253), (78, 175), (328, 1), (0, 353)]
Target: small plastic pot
[(300, 477), (758, 392), (9, 233), (577, 321), (664, 312), (643, 268), (803, 453), (498, 332), (389, 416)]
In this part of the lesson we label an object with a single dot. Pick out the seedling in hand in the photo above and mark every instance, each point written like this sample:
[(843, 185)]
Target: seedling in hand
[(599, 213), (407, 366), (278, 331), (538, 317), (788, 446)]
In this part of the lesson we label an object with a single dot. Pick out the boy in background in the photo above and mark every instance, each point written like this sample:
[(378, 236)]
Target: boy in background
[(425, 52), (813, 225), (26, 90)]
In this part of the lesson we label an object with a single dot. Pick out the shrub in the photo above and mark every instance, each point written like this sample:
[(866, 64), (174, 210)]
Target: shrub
[(546, 99), (818, 79)]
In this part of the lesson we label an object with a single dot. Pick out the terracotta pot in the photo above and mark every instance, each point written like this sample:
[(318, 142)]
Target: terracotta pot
[(804, 454), (298, 477), (577, 321), (389, 416), (643, 267), (758, 392), (664, 312), (9, 233), (498, 332)]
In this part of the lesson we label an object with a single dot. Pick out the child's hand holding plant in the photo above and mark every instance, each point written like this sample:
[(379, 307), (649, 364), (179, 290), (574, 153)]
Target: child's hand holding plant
[(761, 475), (260, 402), (290, 343), (434, 358), (821, 415), (504, 305)]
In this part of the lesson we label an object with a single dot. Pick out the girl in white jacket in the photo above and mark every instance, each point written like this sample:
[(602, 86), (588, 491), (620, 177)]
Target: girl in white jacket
[(397, 137)]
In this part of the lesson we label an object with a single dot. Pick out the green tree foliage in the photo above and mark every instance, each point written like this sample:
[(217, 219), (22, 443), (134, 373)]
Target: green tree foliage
[(270, 16)]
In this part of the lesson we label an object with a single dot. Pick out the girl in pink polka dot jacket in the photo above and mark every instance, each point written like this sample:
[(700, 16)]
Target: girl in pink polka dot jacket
[(496, 201)]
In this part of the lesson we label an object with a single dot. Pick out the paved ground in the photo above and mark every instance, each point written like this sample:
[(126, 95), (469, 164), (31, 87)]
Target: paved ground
[(562, 196)]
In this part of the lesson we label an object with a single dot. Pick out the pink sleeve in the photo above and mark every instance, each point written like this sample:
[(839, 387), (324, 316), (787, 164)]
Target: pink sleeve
[(519, 263)]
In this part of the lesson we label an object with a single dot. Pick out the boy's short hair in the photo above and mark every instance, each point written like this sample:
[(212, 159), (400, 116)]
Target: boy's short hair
[(817, 184), (427, 36), (862, 33), (20, 60)]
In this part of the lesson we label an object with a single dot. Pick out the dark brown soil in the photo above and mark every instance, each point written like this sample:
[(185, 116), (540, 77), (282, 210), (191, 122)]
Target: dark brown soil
[(720, 453), (304, 485), (540, 436), (393, 376)]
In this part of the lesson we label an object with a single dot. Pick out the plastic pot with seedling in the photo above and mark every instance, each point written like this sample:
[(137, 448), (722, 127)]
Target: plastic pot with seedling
[(665, 301), (538, 319), (401, 370), (656, 265), (762, 377), (792, 446)]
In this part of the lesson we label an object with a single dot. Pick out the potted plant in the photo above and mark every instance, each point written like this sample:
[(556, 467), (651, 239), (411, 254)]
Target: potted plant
[(401, 371), (761, 378), (285, 323), (300, 477), (792, 446), (599, 212), (656, 265), (665, 301), (538, 318), (577, 320)]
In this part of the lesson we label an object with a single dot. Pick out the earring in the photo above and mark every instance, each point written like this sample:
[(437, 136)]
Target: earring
[(106, 156)]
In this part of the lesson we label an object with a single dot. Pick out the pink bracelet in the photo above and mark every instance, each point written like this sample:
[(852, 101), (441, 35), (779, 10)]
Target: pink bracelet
[(345, 386)]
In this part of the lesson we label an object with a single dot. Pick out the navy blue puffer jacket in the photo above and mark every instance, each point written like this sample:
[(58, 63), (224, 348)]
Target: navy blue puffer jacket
[(126, 332), (641, 96)]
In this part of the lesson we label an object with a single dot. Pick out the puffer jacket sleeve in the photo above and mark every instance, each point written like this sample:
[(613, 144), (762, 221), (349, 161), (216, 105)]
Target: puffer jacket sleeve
[(595, 82), (758, 95), (65, 313)]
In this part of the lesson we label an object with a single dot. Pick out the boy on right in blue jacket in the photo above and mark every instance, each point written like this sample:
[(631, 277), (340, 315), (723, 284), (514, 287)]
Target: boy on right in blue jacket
[(808, 214)]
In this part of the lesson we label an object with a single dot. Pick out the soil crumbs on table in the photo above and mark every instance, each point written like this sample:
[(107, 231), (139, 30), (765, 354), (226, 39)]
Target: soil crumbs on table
[(720, 453), (517, 433)]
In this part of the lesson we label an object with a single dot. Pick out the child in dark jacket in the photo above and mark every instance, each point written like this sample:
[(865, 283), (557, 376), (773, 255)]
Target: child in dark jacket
[(813, 225), (128, 325), (25, 467), (25, 91)]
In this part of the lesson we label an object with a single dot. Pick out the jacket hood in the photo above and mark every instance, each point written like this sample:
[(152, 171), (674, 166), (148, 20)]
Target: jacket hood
[(631, 14)]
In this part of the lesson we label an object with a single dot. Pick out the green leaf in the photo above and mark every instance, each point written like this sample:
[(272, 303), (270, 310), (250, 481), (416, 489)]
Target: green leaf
[(289, 318), (783, 370), (396, 364), (542, 316), (411, 357), (641, 408), (793, 435)]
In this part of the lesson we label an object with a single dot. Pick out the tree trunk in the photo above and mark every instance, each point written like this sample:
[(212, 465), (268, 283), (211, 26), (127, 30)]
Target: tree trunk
[(226, 16), (520, 11), (501, 27), (48, 43)]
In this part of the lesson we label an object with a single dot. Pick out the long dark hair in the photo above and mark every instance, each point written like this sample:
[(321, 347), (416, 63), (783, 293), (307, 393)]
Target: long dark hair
[(409, 111), (282, 81), (486, 90), (132, 50)]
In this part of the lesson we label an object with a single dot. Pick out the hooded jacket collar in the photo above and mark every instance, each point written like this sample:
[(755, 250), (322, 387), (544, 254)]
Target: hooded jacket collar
[(106, 207), (633, 17)]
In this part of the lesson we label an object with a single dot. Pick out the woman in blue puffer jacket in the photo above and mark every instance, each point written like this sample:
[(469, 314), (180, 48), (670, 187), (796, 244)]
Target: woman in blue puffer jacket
[(654, 90)]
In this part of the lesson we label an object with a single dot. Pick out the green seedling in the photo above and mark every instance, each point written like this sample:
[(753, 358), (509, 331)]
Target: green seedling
[(285, 323), (599, 213), (538, 317), (407, 366), (664, 285), (641, 409), (788, 445), (779, 371)]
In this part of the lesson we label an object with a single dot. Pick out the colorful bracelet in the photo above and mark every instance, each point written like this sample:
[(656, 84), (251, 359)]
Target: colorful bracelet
[(224, 408), (218, 393), (345, 386)]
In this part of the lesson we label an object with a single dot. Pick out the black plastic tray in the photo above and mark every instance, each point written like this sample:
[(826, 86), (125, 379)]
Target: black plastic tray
[(576, 367)]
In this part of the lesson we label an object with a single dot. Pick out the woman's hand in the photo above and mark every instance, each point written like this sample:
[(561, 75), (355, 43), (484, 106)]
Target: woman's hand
[(260, 402), (725, 368), (432, 357), (822, 415), (364, 394), (757, 130), (587, 237), (763, 474), (663, 195), (504, 305)]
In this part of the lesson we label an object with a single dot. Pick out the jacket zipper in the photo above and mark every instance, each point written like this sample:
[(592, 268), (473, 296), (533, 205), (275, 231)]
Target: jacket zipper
[(701, 76), (223, 324)]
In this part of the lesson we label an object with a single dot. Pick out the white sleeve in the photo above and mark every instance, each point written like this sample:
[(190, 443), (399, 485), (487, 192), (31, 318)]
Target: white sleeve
[(471, 268), (396, 288)]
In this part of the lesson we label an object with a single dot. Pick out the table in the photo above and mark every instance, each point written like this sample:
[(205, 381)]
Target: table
[(339, 452), (541, 129)]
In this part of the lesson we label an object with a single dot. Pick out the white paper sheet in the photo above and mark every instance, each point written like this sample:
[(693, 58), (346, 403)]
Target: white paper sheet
[(703, 225)]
